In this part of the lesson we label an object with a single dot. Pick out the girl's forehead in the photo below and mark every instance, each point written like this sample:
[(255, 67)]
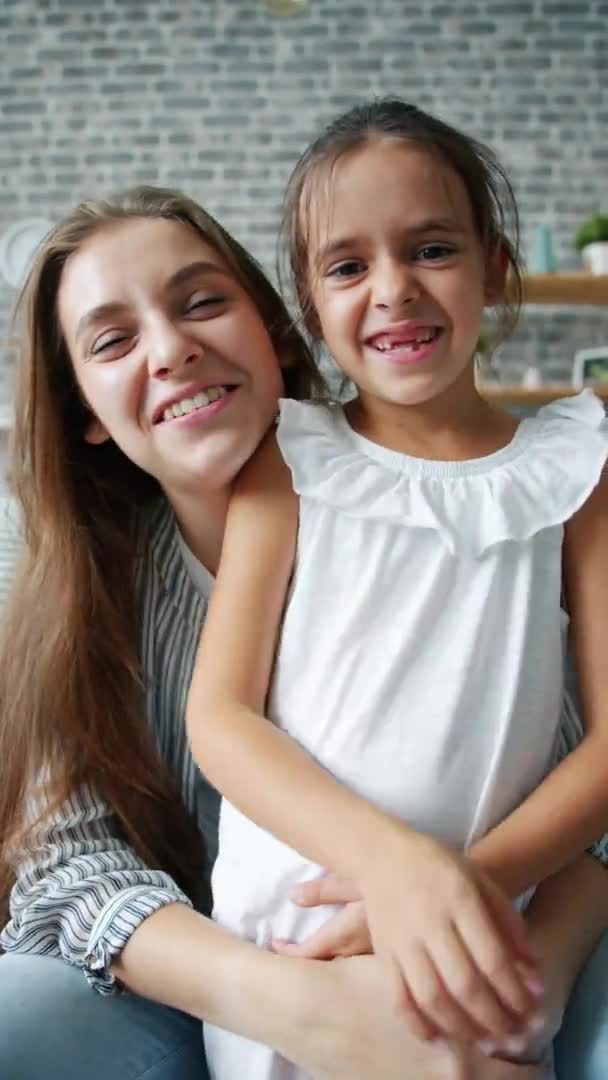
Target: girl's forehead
[(385, 178)]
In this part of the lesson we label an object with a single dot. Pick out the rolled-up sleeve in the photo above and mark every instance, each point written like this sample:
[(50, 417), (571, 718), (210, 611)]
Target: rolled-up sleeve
[(82, 891), (570, 734)]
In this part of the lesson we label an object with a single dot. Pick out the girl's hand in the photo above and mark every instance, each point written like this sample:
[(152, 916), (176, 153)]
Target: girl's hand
[(452, 941), (344, 934), (349, 1024)]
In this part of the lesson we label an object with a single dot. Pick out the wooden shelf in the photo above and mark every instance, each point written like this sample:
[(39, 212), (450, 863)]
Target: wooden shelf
[(533, 395), (577, 287)]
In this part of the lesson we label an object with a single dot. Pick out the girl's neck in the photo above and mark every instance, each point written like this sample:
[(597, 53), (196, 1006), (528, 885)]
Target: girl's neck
[(455, 426), (201, 517)]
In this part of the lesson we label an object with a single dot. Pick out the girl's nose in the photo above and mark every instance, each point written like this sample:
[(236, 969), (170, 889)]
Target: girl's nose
[(395, 285)]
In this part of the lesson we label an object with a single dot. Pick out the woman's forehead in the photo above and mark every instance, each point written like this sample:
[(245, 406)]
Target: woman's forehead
[(123, 259)]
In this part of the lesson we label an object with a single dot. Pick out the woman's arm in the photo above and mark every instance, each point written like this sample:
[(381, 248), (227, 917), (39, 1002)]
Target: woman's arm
[(421, 898), (570, 808), (82, 891), (332, 1019)]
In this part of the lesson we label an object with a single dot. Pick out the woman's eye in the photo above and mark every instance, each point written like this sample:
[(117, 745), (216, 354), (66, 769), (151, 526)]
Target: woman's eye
[(347, 268), (106, 343), (434, 251), (203, 303)]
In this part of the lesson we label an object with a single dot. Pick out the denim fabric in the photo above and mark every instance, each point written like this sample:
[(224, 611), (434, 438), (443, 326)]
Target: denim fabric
[(54, 1027), (582, 1046)]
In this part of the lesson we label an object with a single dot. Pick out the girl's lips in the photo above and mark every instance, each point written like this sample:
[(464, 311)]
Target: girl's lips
[(203, 414)]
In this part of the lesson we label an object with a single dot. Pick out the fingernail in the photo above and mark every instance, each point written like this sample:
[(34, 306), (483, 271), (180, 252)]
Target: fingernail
[(296, 893), (535, 985), (277, 942), (487, 1047), (515, 1044), (536, 1023)]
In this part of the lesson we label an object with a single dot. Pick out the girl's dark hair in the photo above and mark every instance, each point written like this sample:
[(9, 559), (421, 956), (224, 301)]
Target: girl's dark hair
[(72, 698), (488, 187)]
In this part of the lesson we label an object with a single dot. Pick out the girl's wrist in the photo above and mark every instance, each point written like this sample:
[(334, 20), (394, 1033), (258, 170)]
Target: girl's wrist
[(391, 843)]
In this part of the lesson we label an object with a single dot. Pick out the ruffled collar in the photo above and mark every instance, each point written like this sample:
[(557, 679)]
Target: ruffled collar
[(540, 479)]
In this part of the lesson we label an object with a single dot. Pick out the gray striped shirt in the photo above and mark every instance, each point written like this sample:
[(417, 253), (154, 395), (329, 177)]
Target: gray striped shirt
[(82, 894)]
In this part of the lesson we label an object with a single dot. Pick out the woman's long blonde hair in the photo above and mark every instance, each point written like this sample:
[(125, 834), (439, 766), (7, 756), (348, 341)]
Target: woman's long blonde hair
[(71, 687)]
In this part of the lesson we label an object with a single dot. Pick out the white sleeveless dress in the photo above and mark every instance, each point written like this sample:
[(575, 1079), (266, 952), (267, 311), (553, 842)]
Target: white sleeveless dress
[(421, 652)]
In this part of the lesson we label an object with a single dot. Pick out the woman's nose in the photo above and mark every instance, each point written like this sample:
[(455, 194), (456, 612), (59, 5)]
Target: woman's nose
[(171, 350)]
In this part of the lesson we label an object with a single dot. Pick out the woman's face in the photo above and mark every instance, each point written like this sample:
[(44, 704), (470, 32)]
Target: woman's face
[(169, 351)]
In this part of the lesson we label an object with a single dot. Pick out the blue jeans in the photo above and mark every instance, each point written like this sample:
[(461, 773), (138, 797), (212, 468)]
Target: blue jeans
[(53, 1027), (582, 1044)]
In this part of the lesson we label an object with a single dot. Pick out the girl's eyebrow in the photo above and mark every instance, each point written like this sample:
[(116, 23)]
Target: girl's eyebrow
[(182, 276), (438, 225)]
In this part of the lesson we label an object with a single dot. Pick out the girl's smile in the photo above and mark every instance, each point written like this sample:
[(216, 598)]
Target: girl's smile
[(399, 288), (406, 342)]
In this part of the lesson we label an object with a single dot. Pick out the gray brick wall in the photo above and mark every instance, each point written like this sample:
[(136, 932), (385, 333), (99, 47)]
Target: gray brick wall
[(219, 98)]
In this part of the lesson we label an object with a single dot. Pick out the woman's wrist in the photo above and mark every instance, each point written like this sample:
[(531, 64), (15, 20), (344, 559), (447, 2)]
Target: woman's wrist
[(182, 959)]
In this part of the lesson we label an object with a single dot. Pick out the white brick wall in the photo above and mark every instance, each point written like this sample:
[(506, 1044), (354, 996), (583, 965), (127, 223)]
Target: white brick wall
[(219, 96)]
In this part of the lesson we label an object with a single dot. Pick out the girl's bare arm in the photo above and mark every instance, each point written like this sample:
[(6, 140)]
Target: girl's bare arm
[(570, 808)]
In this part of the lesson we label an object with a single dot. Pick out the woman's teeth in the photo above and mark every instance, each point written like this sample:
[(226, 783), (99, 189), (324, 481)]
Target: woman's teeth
[(187, 405)]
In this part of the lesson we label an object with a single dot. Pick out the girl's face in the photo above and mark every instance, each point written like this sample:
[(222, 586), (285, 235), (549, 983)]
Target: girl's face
[(398, 276), (169, 351)]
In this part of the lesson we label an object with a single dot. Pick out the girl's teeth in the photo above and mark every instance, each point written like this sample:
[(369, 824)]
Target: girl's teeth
[(199, 401), (421, 339)]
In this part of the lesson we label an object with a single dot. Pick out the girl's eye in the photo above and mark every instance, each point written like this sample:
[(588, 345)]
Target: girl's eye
[(346, 268), (434, 251), (200, 304)]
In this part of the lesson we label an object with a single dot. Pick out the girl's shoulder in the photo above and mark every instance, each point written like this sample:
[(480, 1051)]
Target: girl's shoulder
[(539, 480)]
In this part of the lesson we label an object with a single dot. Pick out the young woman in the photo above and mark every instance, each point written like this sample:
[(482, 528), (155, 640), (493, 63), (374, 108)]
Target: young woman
[(139, 312), (451, 543)]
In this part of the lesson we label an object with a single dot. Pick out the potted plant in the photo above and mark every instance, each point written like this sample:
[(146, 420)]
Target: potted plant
[(592, 241)]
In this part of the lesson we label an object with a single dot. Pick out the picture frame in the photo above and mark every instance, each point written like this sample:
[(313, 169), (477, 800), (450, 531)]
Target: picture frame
[(590, 367)]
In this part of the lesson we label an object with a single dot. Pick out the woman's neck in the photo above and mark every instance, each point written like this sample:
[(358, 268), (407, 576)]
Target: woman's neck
[(201, 517)]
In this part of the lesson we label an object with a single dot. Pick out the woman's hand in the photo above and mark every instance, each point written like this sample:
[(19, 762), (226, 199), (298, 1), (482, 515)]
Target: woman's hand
[(452, 941)]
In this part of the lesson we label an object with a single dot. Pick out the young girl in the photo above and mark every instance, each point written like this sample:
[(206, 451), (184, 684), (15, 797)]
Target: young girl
[(393, 594)]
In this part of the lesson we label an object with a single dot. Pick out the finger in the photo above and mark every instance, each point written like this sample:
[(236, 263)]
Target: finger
[(330, 940), (434, 1003), (417, 1023), (304, 950), (467, 985), (510, 922), (490, 953), (324, 890)]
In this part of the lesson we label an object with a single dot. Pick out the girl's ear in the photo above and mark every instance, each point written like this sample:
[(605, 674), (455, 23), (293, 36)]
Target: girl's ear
[(95, 432), (497, 270)]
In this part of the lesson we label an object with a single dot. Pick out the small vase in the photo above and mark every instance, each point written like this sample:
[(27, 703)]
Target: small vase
[(595, 257)]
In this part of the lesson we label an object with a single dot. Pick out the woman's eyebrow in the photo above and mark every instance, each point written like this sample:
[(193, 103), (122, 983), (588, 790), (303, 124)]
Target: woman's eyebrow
[(182, 276), (96, 314), (194, 270)]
